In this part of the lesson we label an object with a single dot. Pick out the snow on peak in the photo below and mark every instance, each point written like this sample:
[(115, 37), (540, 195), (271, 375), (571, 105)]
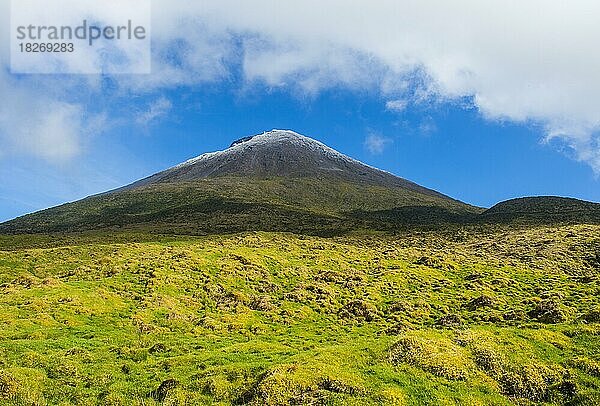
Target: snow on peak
[(272, 138)]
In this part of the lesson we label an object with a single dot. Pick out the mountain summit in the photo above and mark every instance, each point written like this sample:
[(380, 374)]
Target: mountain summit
[(280, 153)]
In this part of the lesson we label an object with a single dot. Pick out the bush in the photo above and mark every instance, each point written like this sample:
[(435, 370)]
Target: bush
[(281, 385), (548, 311), (261, 303), (8, 386), (533, 381), (358, 309), (587, 365), (479, 302), (449, 320), (338, 386), (434, 262), (587, 398), (492, 362), (514, 315), (161, 393), (158, 347), (22, 386), (438, 356), (592, 316)]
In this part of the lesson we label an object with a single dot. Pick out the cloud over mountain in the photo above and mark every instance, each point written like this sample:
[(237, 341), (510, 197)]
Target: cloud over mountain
[(530, 62)]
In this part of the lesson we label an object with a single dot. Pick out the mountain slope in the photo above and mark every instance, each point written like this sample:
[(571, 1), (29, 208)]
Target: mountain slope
[(544, 209), (276, 181)]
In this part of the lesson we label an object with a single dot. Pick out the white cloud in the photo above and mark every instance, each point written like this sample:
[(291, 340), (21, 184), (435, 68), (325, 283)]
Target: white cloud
[(376, 144), (35, 116), (522, 61), (583, 147), (158, 109), (39, 125), (396, 105)]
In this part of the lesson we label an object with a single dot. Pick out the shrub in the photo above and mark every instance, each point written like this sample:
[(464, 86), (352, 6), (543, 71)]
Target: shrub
[(393, 396), (434, 262), (161, 393), (358, 309), (158, 347), (492, 362), (481, 301), (412, 310), (397, 328), (548, 311), (592, 316), (514, 315), (21, 386), (338, 386), (8, 386), (282, 385), (261, 303), (449, 320), (587, 398), (587, 365), (304, 384), (532, 381), (438, 356)]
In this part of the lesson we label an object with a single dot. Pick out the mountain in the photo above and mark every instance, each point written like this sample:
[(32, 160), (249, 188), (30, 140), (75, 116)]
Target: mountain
[(283, 181), (281, 153), (544, 209), (276, 181)]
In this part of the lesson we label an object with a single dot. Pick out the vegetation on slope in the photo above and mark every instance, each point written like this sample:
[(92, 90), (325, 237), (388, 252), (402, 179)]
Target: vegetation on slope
[(232, 204), (545, 210), (468, 316)]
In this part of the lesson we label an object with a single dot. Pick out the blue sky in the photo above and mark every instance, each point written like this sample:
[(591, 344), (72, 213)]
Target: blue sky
[(446, 97)]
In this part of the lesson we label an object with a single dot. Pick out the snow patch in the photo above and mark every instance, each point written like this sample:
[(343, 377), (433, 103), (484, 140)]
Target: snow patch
[(271, 138)]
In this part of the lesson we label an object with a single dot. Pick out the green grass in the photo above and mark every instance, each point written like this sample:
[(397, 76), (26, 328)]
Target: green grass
[(465, 316)]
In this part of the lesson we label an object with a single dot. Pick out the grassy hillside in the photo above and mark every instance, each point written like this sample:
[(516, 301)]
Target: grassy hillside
[(545, 210), (466, 316), (321, 206)]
